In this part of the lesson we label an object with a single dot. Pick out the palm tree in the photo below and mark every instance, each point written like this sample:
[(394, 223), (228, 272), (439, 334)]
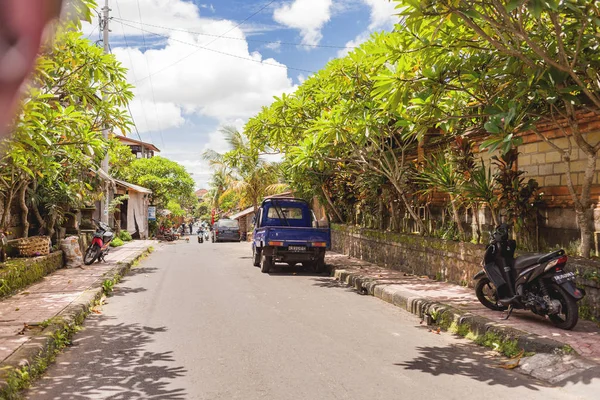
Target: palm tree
[(247, 173)]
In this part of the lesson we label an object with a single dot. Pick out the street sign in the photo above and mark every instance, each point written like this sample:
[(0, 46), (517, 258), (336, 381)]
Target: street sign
[(152, 213)]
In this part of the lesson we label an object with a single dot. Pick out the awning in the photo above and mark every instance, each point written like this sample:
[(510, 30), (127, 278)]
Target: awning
[(242, 213), (133, 187)]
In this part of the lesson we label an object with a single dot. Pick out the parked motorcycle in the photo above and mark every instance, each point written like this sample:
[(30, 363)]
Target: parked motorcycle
[(535, 282), (100, 245)]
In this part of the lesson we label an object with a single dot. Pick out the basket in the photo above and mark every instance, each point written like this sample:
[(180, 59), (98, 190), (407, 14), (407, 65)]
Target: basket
[(34, 246)]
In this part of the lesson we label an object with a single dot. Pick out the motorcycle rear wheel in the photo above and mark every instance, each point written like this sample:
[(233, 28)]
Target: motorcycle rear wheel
[(91, 254), (569, 315), (488, 296)]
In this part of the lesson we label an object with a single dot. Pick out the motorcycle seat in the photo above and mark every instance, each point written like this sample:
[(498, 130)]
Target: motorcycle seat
[(523, 262), (527, 261)]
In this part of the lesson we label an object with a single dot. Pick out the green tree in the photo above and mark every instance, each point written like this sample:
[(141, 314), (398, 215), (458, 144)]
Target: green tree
[(549, 44), (57, 136), (250, 176), (170, 182)]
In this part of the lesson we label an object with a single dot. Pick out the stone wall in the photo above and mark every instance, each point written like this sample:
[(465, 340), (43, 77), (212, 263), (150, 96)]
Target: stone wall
[(18, 273), (439, 259)]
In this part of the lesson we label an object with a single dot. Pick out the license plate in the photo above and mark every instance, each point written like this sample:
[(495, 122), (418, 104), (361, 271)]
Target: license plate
[(297, 248), (569, 276)]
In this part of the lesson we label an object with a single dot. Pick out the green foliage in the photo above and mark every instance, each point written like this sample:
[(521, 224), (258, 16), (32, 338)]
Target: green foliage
[(125, 236), (242, 177), (520, 200), (116, 242), (76, 91), (108, 286), (170, 182), (120, 158)]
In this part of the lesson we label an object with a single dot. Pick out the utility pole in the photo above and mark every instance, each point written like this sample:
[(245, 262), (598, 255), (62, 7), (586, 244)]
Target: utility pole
[(105, 31)]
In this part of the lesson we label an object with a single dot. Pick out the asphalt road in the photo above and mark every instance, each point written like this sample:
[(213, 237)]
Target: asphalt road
[(198, 321)]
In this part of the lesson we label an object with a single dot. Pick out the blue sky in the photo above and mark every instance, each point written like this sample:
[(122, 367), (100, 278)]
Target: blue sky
[(189, 82)]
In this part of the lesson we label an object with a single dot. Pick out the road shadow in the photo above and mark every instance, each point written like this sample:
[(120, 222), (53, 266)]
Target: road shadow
[(483, 365), (110, 361), (327, 282), (467, 360), (121, 289), (284, 270)]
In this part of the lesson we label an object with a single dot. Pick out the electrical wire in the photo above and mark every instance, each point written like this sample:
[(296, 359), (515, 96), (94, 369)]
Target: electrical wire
[(134, 77), (150, 77), (244, 39), (209, 43), (218, 52)]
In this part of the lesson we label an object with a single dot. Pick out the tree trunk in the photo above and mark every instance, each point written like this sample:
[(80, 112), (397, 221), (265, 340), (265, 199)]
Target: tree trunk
[(494, 215), (586, 229), (24, 209), (477, 232), (456, 216), (335, 210), (414, 216)]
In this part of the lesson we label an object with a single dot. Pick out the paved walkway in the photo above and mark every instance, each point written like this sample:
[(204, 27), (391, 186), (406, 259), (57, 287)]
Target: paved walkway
[(47, 298), (584, 338)]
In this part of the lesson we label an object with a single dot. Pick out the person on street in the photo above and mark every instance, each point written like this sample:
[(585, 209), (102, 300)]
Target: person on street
[(191, 228)]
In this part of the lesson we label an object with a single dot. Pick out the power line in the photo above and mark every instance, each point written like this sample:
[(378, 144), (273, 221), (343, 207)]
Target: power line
[(134, 77), (214, 51), (150, 77), (209, 43), (244, 39)]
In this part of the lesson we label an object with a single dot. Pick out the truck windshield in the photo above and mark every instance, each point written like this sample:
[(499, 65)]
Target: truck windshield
[(288, 212)]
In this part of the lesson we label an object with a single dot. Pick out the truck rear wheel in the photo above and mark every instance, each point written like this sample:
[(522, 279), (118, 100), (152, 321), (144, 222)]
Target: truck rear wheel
[(319, 264), (256, 255), (266, 264)]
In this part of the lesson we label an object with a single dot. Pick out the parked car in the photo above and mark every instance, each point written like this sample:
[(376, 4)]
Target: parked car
[(286, 230), (226, 230)]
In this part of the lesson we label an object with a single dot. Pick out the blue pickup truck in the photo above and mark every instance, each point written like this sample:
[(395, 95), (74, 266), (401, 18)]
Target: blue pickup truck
[(286, 231)]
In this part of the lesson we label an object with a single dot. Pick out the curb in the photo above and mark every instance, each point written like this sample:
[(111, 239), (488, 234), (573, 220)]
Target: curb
[(448, 317), (32, 358)]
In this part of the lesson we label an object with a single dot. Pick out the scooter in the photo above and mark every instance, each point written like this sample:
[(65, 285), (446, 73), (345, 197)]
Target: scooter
[(535, 282), (100, 245)]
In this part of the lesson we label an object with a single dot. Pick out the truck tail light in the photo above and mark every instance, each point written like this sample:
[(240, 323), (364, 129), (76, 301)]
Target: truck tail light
[(275, 243), (319, 244)]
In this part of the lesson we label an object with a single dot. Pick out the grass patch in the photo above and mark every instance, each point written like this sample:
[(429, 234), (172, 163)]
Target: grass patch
[(508, 347)]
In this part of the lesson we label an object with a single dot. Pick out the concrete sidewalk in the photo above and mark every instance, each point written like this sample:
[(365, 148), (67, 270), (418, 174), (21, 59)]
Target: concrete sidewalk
[(22, 315), (419, 294)]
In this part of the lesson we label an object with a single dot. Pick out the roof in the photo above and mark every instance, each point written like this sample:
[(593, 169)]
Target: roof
[(201, 192), (126, 140), (284, 194), (241, 214), (133, 187)]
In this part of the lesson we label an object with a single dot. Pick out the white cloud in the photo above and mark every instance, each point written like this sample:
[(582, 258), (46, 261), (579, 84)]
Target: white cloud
[(274, 46), (228, 82), (308, 16), (382, 16), (190, 85)]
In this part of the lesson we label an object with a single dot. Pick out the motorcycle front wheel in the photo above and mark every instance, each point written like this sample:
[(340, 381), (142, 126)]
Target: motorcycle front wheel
[(569, 314), (488, 295), (91, 254)]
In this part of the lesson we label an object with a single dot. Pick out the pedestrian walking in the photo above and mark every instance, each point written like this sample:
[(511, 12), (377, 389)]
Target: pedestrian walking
[(191, 228)]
